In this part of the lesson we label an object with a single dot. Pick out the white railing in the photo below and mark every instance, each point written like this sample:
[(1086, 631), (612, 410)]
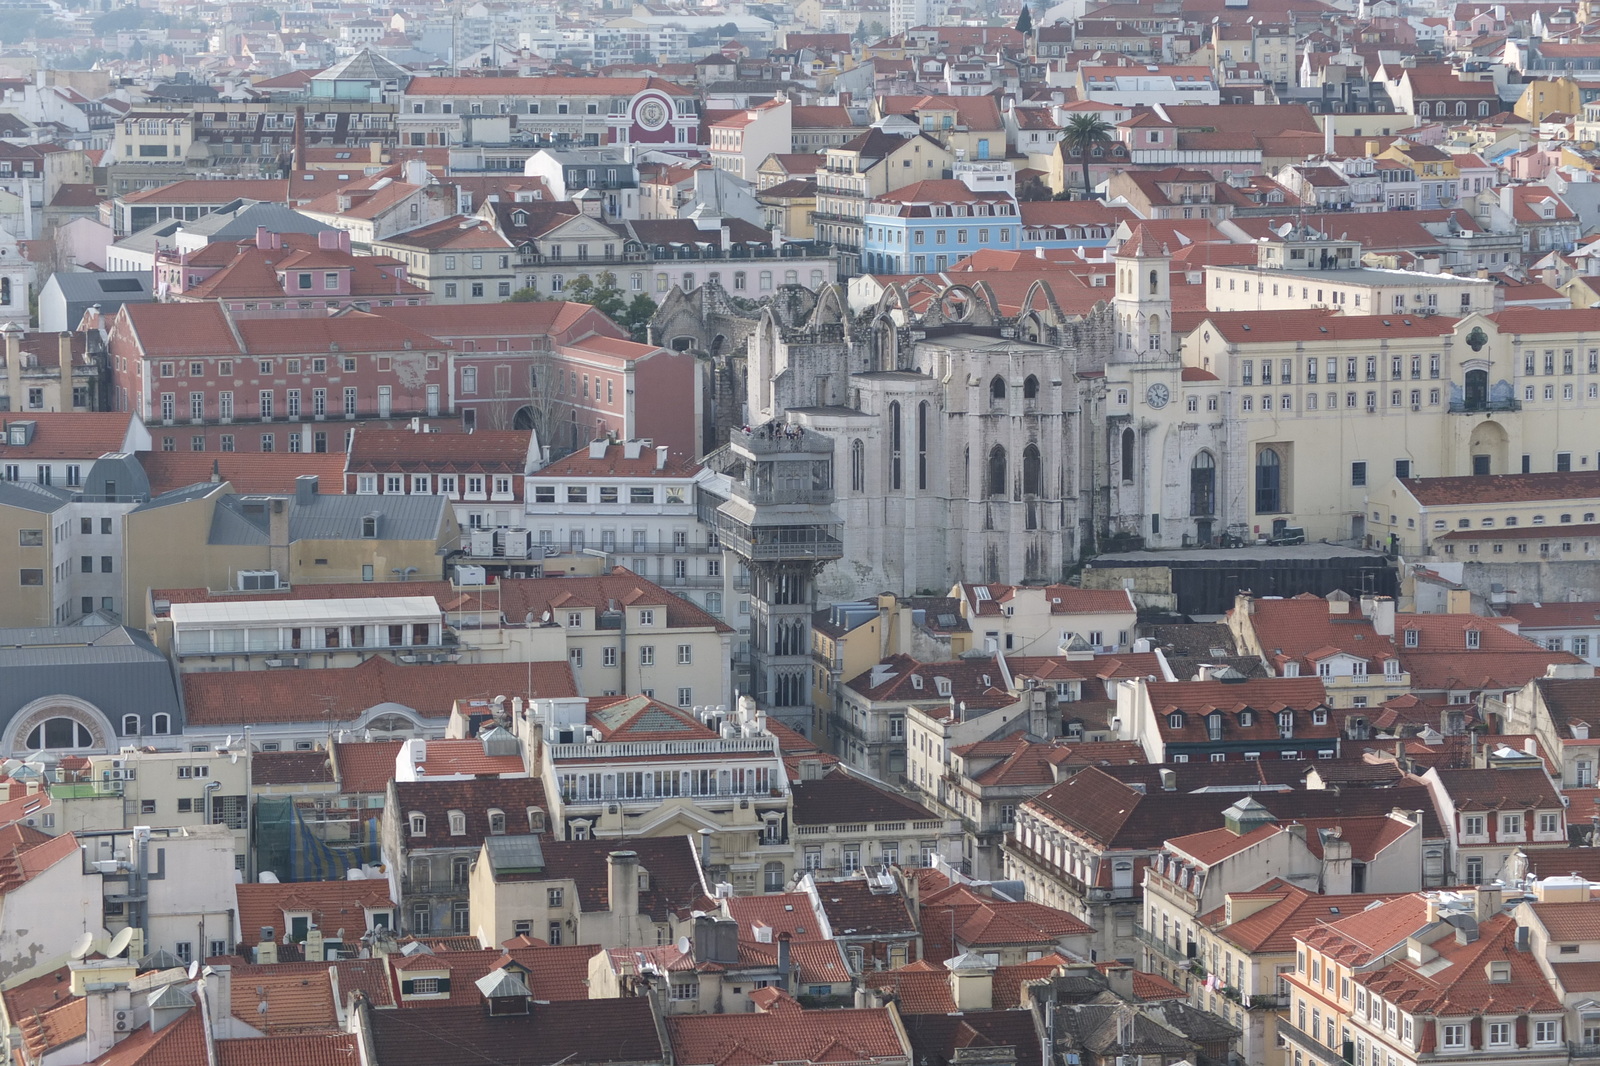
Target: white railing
[(635, 748)]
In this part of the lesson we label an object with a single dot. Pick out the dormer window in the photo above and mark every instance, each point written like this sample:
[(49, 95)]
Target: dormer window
[(916, 682), (1247, 719), (1175, 721), (1214, 726), (1473, 638), (519, 218), (1286, 723), (1319, 716), (942, 685), (369, 527), (458, 823), (1413, 637), (419, 824), (497, 823)]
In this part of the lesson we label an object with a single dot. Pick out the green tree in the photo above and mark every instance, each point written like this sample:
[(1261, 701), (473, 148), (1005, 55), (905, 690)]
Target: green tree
[(1025, 21), (637, 315), (1086, 131), (603, 294)]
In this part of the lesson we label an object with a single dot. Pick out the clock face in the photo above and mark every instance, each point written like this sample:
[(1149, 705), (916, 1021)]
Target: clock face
[(652, 115), (1157, 395)]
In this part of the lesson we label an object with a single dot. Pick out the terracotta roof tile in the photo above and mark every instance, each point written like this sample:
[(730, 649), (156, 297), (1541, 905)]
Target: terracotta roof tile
[(179, 1043), (247, 472), (333, 905), (304, 1049), (839, 796), (473, 798), (344, 695), (290, 768), (785, 1034), (1505, 488), (366, 767)]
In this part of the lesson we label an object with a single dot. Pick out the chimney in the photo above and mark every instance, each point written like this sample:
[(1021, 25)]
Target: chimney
[(783, 960), (298, 159), (597, 448), (1327, 137), (314, 945), (661, 457), (418, 750), (278, 537), (1373, 148), (305, 489), (375, 155), (1485, 903), (328, 240), (622, 883), (64, 355), (971, 982), (1169, 781), (13, 333), (1383, 615), (1119, 978), (267, 949), (263, 237)]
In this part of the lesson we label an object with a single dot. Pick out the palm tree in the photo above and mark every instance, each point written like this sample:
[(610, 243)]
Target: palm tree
[(1085, 131)]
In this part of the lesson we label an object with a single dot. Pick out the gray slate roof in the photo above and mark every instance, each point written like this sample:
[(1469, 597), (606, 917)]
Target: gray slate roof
[(114, 668), (244, 519), (32, 497), (109, 288), (365, 65)]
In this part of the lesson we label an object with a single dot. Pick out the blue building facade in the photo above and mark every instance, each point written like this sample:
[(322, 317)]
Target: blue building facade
[(929, 226)]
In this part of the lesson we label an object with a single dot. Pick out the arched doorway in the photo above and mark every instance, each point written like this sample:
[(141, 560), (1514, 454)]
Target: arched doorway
[(1488, 448), (523, 419)]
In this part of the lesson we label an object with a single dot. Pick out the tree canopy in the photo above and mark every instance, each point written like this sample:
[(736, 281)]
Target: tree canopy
[(604, 294)]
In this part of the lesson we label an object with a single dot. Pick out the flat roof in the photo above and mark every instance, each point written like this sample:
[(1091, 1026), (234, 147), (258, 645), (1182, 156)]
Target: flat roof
[(214, 613), (1376, 275), (1269, 552)]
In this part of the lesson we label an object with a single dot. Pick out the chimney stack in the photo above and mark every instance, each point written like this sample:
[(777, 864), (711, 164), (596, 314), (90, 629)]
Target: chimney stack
[(13, 334), (622, 883), (64, 354)]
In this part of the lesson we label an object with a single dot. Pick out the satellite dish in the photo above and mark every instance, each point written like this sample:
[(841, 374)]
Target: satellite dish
[(84, 945), (120, 942), (683, 945), (261, 1008), (545, 617), (339, 936), (194, 969)]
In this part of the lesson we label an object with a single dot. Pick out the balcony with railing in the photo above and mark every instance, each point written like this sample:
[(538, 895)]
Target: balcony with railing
[(1471, 407), (1165, 948), (771, 543)]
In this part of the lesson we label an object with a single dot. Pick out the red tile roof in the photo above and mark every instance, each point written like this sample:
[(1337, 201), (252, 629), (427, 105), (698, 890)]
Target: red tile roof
[(475, 798), (1319, 326), (1472, 490), (562, 321), (69, 435), (1463, 987), (300, 1049), (344, 695), (366, 767), (786, 1033), (179, 1043), (485, 451), (1271, 930), (333, 905), (247, 472), (614, 463)]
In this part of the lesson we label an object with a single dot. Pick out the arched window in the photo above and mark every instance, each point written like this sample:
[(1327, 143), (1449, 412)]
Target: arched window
[(1269, 482), (1030, 470), (922, 445), (1030, 388), (130, 725), (1155, 282), (997, 388), (894, 446), (497, 822), (1127, 455), (5, 290), (419, 824), (1424, 109), (458, 823), (1155, 332), (1483, 109), (1461, 109), (997, 472), (460, 869), (1203, 485), (59, 733), (161, 725), (858, 466)]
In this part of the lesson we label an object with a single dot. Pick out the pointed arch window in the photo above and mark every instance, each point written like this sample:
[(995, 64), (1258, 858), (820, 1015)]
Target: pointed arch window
[(997, 472), (1030, 388), (1030, 470), (997, 388), (894, 445), (1203, 484), (858, 466)]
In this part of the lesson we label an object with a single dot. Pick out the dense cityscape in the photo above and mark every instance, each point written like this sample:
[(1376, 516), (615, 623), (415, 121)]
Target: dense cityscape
[(902, 533)]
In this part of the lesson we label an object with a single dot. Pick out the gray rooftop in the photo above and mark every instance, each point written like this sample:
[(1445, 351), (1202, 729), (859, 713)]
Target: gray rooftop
[(31, 497), (110, 288), (244, 519), (114, 668), (516, 853), (365, 65), (239, 220), (1249, 553)]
